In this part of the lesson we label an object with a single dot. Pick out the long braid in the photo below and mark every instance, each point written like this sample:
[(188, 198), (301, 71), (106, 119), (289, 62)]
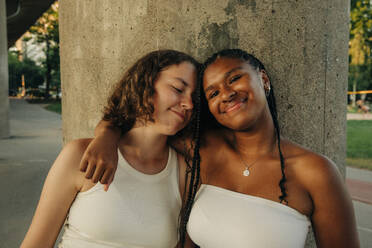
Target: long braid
[(195, 169), (272, 106)]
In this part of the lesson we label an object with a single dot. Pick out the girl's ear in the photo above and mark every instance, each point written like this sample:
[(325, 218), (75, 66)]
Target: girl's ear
[(265, 82), (265, 79)]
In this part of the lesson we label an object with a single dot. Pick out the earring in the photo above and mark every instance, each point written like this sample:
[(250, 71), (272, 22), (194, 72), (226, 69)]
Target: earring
[(267, 90)]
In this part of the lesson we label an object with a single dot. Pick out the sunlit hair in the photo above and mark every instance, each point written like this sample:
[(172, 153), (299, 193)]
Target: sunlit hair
[(205, 120), (132, 98)]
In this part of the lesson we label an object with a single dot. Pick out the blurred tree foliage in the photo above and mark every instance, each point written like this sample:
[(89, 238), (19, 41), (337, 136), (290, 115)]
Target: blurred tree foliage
[(46, 32), (33, 73), (360, 45)]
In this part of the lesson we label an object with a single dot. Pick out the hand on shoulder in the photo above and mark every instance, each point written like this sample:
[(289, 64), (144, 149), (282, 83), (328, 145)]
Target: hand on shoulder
[(99, 160), (67, 162)]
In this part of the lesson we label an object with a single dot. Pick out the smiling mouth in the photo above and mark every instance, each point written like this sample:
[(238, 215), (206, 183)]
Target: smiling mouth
[(234, 106), (182, 116)]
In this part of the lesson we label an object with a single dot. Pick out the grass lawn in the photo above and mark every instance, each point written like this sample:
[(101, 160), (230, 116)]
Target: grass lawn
[(359, 143), (55, 107)]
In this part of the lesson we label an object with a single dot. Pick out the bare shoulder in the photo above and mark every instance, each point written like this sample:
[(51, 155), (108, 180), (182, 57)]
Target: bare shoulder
[(68, 160), (75, 149), (332, 215), (312, 169)]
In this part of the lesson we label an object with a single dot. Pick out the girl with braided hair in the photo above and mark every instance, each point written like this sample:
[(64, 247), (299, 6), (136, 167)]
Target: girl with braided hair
[(247, 186), (257, 189)]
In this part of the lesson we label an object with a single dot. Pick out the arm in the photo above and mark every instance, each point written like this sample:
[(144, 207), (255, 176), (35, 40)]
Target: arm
[(333, 217), (101, 157), (60, 188)]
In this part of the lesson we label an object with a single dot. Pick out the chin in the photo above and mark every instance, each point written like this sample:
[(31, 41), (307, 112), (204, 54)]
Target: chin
[(170, 131), (239, 124)]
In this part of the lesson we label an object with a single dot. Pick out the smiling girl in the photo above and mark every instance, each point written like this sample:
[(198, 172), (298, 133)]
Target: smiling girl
[(151, 103), (258, 189)]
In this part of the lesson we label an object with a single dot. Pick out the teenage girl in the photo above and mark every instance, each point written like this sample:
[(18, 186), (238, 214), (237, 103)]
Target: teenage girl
[(152, 102)]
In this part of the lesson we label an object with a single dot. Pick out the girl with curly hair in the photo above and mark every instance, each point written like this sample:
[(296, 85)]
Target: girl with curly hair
[(150, 104)]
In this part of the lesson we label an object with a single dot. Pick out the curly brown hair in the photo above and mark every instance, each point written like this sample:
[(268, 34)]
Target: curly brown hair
[(131, 99)]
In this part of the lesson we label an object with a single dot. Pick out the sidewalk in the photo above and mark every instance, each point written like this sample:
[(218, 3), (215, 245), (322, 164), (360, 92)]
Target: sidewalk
[(25, 159), (359, 184), (359, 116)]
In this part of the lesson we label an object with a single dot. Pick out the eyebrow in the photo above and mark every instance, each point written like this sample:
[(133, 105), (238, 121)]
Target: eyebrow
[(183, 81), (227, 74)]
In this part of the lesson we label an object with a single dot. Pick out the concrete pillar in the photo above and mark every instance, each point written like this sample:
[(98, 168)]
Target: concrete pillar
[(4, 84), (303, 44)]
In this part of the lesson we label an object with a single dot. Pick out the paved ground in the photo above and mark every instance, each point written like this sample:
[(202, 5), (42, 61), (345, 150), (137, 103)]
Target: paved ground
[(359, 116), (359, 184), (25, 159)]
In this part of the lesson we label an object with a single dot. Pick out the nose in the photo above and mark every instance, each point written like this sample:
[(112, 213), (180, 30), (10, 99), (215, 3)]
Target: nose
[(186, 102), (228, 94)]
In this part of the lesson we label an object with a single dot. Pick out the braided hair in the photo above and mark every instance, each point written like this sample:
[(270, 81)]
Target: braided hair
[(207, 121)]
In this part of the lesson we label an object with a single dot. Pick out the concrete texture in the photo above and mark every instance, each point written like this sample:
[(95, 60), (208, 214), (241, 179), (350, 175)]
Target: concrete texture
[(25, 159), (303, 45), (4, 84)]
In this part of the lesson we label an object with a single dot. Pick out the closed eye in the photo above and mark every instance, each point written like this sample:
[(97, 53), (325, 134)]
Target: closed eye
[(178, 90), (235, 78)]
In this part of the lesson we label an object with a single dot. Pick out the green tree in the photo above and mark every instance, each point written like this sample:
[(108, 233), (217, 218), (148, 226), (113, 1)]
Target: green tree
[(46, 32), (360, 45), (15, 71), (33, 73)]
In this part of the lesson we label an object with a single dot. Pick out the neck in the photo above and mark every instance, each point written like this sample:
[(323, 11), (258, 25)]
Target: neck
[(258, 140), (142, 142)]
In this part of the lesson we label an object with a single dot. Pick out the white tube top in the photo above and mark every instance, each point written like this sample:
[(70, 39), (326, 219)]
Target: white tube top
[(138, 210), (223, 218)]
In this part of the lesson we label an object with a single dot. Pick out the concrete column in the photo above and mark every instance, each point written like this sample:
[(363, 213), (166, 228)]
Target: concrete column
[(303, 44), (4, 84)]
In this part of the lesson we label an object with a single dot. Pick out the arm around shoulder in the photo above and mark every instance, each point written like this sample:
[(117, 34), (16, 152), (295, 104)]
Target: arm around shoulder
[(101, 157), (333, 216), (63, 182)]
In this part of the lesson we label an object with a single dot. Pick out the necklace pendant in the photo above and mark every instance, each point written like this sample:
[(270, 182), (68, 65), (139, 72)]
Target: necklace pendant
[(246, 172)]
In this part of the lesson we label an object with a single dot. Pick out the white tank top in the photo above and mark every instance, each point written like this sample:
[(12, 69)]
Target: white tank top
[(139, 210), (223, 218)]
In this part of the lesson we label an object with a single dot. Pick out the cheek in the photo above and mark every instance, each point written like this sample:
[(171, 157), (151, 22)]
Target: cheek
[(166, 99), (212, 107), (258, 92)]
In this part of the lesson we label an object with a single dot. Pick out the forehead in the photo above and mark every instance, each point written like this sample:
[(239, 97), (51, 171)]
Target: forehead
[(218, 69), (184, 67), (184, 71)]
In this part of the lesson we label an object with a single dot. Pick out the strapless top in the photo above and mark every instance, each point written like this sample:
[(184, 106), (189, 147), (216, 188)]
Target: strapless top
[(223, 218)]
